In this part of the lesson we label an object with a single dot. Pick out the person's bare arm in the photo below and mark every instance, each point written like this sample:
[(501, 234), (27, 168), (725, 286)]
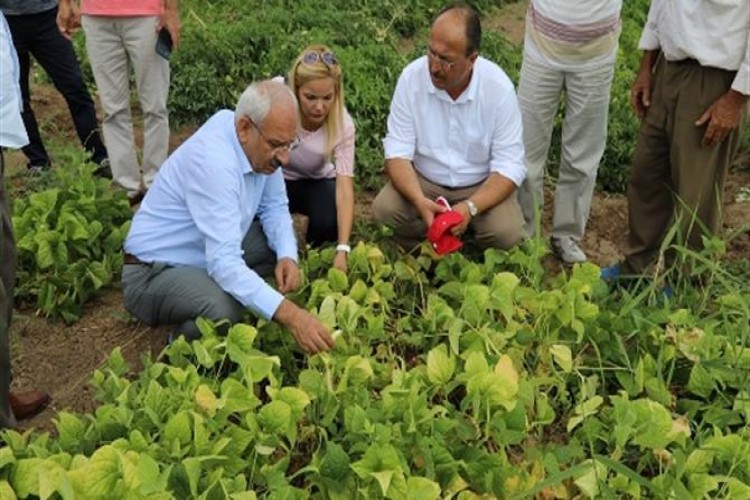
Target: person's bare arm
[(68, 17), (493, 191), (640, 95), (404, 178), (344, 216), (170, 19)]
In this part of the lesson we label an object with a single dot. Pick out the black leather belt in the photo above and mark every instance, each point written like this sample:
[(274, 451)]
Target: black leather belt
[(131, 259)]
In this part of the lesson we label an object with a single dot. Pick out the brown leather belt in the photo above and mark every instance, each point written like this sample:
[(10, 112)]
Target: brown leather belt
[(131, 259)]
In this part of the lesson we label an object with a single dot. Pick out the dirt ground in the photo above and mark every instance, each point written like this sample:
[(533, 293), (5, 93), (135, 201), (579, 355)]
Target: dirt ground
[(61, 358)]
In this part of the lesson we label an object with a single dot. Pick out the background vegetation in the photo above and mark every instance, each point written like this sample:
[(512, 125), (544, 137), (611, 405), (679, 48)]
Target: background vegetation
[(227, 44)]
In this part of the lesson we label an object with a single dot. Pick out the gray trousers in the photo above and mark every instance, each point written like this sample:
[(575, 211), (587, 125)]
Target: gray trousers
[(7, 281), (159, 294)]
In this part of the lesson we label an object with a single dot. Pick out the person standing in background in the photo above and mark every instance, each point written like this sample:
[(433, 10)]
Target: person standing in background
[(33, 25), (13, 406), (691, 94), (569, 50), (121, 33)]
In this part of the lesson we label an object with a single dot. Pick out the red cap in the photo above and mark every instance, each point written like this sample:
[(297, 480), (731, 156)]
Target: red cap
[(439, 232)]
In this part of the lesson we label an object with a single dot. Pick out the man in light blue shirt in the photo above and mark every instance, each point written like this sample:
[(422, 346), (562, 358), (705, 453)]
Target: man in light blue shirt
[(216, 219)]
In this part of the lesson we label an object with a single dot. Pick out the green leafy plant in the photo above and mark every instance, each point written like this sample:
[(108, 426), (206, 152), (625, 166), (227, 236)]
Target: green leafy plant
[(69, 239)]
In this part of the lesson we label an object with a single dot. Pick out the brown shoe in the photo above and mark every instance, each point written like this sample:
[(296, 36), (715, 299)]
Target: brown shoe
[(29, 403)]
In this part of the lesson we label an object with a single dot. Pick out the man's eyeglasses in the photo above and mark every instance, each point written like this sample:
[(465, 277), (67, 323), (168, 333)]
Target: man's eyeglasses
[(327, 58), (444, 65), (276, 146)]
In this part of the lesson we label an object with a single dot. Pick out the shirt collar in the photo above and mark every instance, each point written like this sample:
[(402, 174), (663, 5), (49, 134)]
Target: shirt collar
[(243, 161)]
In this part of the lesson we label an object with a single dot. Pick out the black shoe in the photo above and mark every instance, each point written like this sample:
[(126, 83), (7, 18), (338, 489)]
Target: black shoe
[(135, 198), (104, 169)]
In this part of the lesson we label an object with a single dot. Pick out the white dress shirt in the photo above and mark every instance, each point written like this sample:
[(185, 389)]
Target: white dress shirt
[(201, 205), (12, 130), (457, 143), (716, 33)]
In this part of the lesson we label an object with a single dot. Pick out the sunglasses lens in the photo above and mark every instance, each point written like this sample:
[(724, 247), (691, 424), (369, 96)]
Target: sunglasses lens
[(310, 58), (329, 58)]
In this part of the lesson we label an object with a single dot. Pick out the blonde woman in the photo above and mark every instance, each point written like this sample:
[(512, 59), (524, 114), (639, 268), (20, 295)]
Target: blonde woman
[(320, 174)]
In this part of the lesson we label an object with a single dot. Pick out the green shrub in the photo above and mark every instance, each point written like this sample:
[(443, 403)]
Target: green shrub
[(69, 238)]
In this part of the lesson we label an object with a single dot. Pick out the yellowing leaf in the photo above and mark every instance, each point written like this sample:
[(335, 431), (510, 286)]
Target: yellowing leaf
[(562, 356), (206, 400), (440, 366), (505, 369)]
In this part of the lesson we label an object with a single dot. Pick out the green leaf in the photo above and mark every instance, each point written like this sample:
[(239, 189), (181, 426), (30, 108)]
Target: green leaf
[(102, 472), (422, 488), (591, 479), (25, 476), (337, 280), (6, 491), (178, 428), (562, 356), (275, 417), (440, 365)]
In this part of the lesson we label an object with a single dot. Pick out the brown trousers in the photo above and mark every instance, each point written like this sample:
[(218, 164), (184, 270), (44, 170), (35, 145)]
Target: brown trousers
[(7, 282), (499, 227), (673, 179)]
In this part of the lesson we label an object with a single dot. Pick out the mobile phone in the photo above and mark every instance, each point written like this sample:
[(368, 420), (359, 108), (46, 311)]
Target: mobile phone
[(164, 43)]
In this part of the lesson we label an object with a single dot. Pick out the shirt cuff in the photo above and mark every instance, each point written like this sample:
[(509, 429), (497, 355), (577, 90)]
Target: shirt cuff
[(267, 301)]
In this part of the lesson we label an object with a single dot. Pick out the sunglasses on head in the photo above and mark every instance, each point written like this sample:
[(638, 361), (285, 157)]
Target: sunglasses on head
[(327, 58)]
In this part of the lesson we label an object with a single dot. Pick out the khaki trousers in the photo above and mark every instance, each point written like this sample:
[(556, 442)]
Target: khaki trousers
[(113, 45), (499, 227), (673, 179), (584, 136)]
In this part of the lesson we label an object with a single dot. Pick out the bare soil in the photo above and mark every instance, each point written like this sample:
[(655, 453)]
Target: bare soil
[(61, 358)]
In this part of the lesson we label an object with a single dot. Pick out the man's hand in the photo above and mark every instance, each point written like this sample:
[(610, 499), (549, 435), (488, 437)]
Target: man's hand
[(463, 209), (640, 95), (722, 117), (339, 261), (287, 275), (68, 18), (428, 209), (311, 335), (170, 19)]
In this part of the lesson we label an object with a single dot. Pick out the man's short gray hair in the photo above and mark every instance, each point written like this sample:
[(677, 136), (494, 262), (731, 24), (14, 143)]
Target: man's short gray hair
[(255, 102)]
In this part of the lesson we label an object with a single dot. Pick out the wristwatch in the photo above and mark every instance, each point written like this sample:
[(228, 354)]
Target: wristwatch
[(343, 247), (473, 211)]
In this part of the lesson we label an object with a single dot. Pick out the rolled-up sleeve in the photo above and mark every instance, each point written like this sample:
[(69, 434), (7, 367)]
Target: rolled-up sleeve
[(211, 197), (650, 35), (507, 157), (400, 139)]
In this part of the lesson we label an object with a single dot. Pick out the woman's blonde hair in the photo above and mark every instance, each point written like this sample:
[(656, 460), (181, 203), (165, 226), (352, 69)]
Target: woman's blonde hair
[(324, 65)]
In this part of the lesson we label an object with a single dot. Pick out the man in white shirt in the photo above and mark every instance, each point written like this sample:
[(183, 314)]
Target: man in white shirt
[(454, 130), (569, 52), (691, 93)]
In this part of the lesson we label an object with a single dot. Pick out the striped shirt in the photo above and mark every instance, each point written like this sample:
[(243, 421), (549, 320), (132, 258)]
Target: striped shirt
[(572, 35)]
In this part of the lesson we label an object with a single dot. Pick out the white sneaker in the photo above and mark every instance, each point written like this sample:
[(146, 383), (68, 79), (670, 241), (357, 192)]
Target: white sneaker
[(567, 250)]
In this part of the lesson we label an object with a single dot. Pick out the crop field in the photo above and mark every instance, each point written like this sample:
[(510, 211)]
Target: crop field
[(472, 376)]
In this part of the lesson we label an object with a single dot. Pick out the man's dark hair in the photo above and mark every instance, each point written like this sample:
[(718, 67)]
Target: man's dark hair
[(473, 26)]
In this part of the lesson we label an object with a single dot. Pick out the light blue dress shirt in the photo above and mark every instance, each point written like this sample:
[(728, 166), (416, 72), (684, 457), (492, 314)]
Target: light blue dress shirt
[(200, 207)]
